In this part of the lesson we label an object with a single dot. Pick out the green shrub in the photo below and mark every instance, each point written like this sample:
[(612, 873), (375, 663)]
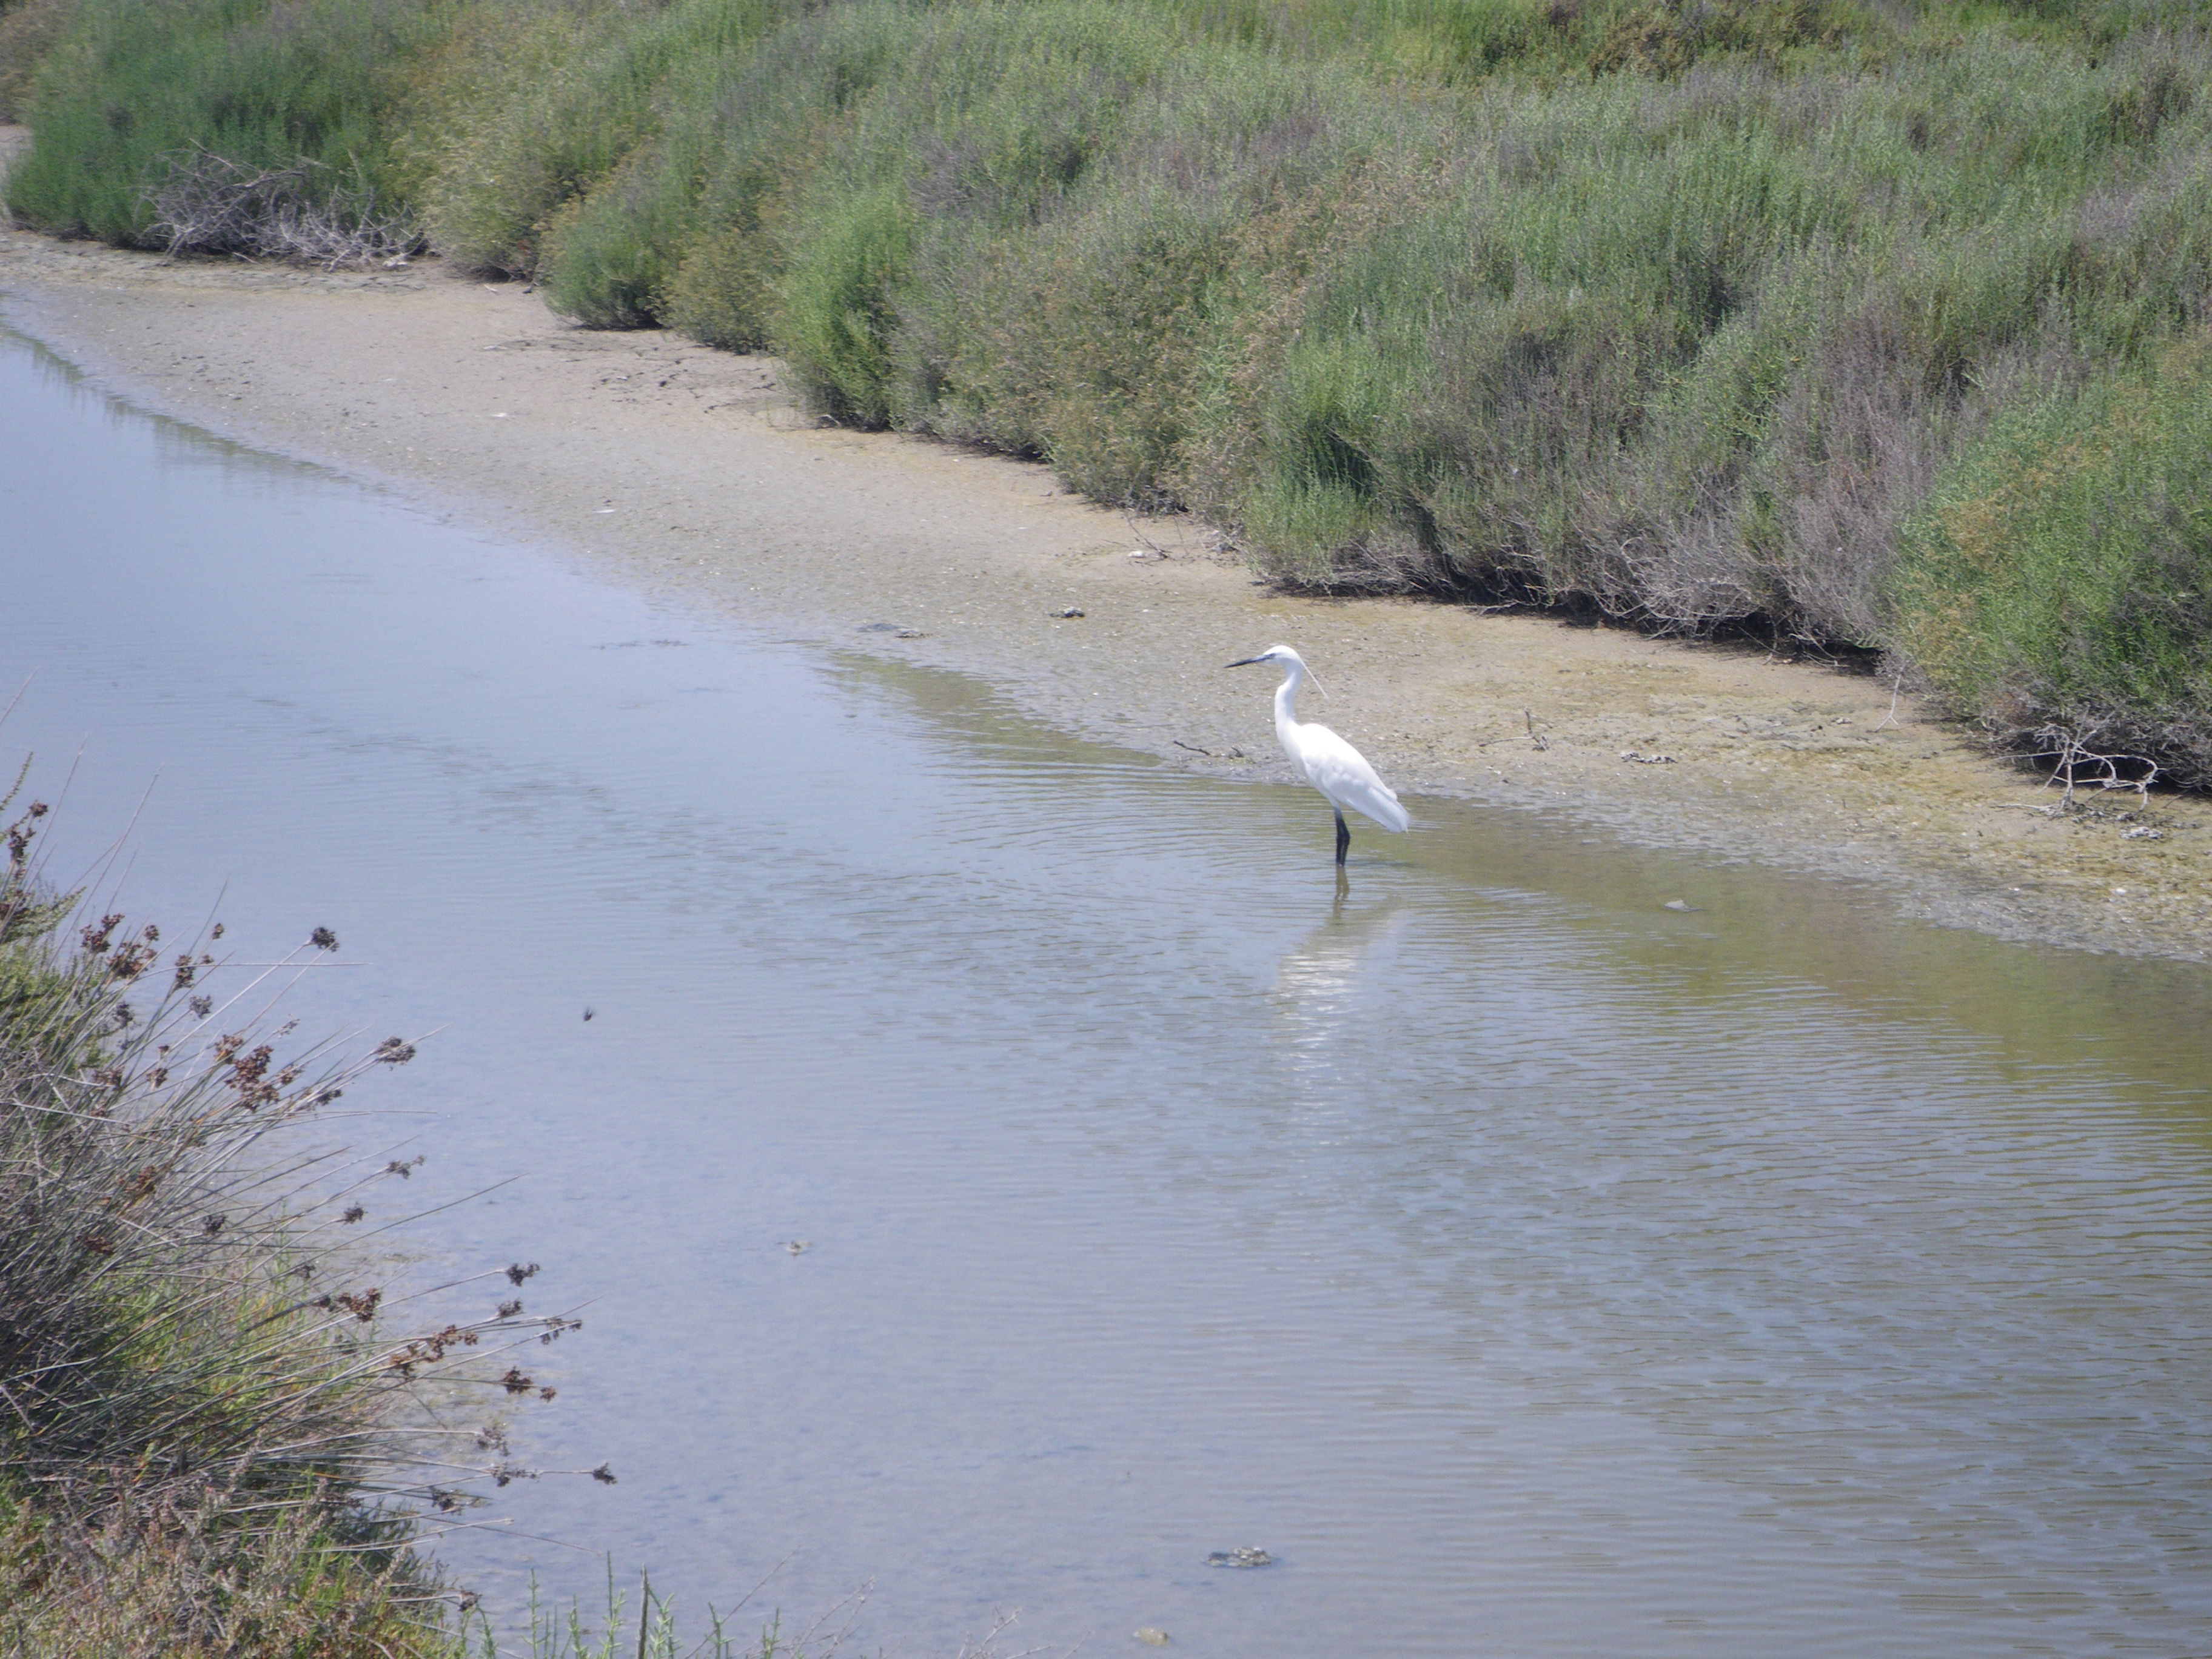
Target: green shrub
[(1687, 351), (128, 85), (1098, 338), (1673, 309), (747, 157), (552, 102), (1120, 339), (2060, 575), (607, 255), (1691, 352), (837, 316), (28, 31)]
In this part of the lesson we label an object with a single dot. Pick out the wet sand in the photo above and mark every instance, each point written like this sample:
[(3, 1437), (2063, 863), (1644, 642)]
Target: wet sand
[(691, 472)]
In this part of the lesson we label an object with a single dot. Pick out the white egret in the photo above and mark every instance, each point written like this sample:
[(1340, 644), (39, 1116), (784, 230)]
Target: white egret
[(1330, 764)]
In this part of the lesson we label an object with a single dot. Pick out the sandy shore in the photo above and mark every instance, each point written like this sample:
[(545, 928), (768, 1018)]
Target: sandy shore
[(688, 471)]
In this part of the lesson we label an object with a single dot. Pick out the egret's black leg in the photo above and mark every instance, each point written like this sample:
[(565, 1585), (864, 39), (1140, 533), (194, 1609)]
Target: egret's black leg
[(1343, 837)]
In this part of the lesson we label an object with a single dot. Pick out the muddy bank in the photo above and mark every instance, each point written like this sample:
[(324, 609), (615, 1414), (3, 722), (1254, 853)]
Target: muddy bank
[(689, 470)]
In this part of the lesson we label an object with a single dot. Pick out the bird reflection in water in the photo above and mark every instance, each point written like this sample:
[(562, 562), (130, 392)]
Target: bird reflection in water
[(1319, 983)]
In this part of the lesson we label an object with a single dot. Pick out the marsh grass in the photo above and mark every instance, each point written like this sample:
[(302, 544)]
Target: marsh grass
[(1683, 336), (2058, 580), (125, 88), (1672, 312), (655, 1631), (1680, 321), (215, 1437)]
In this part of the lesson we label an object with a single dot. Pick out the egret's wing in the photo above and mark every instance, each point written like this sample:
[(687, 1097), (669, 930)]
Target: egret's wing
[(1341, 772)]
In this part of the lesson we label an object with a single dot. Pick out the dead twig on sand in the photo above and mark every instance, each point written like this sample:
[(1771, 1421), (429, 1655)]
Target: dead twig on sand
[(1896, 690), (2071, 758), (1150, 545)]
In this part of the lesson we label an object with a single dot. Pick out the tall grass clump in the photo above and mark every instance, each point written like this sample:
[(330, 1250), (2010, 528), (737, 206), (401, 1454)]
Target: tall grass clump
[(525, 109), (130, 95), (210, 1439), (1675, 312), (2057, 583), (28, 30)]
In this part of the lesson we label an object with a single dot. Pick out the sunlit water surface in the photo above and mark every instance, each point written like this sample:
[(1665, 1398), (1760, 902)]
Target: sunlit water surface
[(1533, 1270)]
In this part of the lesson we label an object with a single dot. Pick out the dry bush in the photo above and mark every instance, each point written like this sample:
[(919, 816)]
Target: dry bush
[(203, 203)]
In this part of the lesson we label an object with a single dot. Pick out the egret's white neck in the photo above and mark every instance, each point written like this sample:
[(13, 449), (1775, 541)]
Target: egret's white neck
[(1286, 697)]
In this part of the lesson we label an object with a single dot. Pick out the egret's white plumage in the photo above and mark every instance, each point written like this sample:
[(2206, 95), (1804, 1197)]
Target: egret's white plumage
[(1330, 764)]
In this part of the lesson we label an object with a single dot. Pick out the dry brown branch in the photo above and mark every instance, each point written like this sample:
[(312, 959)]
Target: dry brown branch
[(1145, 543), (2076, 765), (1896, 690), (203, 203)]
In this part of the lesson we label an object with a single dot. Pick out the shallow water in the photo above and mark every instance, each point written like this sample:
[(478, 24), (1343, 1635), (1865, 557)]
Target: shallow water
[(1532, 1269)]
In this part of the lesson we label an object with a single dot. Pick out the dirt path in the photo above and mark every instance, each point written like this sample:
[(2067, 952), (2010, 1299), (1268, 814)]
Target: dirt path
[(687, 469)]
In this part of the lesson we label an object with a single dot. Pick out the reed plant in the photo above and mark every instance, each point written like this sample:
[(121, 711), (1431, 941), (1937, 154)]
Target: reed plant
[(215, 1437), (220, 1438), (655, 1631)]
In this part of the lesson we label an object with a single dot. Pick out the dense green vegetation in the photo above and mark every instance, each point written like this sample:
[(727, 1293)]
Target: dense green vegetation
[(236, 78), (1694, 312), (2061, 574)]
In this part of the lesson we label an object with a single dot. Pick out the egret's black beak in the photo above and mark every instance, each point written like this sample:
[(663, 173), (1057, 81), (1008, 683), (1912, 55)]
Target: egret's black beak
[(1246, 662)]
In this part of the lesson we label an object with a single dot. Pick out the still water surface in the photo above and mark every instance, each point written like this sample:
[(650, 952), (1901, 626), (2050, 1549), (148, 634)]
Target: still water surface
[(1533, 1270)]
